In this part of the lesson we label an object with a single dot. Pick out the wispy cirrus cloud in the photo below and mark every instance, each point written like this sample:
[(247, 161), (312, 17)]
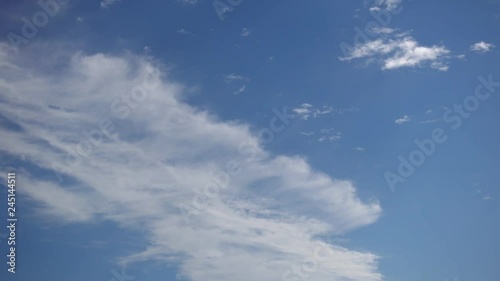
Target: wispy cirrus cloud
[(330, 135), (402, 120), (382, 30), (482, 47), (488, 197), (324, 135), (245, 32), (240, 90), (230, 78), (400, 51), (389, 4), (188, 2), (107, 3), (307, 111), (155, 156), (183, 31), (235, 77), (386, 4)]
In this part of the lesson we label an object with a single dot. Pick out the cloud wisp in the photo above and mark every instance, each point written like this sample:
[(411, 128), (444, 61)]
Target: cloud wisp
[(245, 32), (482, 47), (307, 111), (188, 2), (400, 51), (107, 3), (386, 4), (137, 157), (402, 120)]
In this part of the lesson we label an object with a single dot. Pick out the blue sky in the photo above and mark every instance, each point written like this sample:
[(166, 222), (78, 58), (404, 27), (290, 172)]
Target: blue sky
[(252, 140)]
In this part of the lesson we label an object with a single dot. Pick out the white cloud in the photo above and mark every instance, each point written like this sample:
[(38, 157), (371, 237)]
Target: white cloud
[(306, 111), (429, 121), (488, 197), (402, 120), (330, 138), (309, 133), (235, 77), (382, 30), (482, 47), (361, 149), (439, 65), (230, 78), (324, 135), (245, 32), (143, 174), (240, 90), (331, 135), (183, 31), (386, 4), (188, 2), (400, 51), (107, 3)]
